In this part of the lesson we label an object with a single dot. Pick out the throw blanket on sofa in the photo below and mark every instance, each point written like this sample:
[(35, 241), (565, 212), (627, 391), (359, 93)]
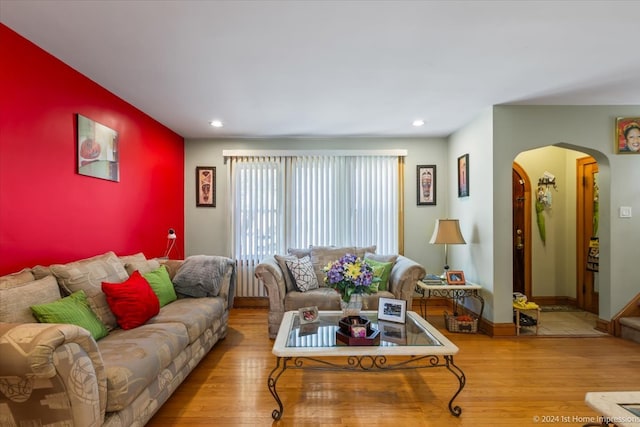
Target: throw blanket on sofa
[(201, 276)]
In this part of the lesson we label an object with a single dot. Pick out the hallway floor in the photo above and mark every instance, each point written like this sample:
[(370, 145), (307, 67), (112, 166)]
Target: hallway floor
[(565, 323)]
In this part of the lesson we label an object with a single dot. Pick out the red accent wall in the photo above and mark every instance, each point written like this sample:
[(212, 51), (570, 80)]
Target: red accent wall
[(49, 213)]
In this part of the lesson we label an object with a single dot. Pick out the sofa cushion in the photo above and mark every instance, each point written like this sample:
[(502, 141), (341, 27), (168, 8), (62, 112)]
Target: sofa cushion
[(324, 298), (381, 270), (303, 274), (16, 301), (196, 314), (88, 275), (161, 284), (133, 302), (22, 276), (134, 358), (282, 262), (323, 255), (138, 262), (381, 257), (202, 275), (74, 310)]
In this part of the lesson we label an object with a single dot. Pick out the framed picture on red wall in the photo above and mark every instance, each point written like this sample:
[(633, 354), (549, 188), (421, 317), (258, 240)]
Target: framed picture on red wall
[(97, 150), (206, 186)]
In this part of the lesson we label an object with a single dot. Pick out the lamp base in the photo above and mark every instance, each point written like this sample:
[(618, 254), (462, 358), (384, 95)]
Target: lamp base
[(444, 273)]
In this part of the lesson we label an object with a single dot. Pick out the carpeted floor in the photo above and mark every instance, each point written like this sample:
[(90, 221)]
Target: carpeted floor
[(563, 323)]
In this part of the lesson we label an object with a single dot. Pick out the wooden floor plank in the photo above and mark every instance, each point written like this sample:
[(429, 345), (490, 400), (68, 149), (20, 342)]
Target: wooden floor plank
[(509, 381)]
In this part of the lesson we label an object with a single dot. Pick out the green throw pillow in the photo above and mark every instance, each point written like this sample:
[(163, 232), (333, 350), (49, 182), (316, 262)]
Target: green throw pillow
[(381, 270), (73, 310), (161, 284)]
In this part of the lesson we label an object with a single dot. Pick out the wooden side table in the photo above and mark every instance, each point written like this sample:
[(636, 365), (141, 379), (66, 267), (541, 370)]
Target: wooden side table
[(517, 312)]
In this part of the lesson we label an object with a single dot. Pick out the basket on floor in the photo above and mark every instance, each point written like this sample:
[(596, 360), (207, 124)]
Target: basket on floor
[(454, 325)]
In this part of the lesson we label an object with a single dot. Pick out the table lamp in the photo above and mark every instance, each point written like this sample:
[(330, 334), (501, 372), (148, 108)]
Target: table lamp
[(447, 232)]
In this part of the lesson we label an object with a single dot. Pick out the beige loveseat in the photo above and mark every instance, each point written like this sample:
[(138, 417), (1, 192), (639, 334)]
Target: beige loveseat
[(284, 296), (58, 374)]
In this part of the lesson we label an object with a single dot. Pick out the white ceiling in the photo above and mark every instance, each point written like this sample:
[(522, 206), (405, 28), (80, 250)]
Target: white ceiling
[(340, 68)]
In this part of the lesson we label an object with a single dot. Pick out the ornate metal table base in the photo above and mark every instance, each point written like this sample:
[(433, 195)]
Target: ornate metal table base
[(363, 363)]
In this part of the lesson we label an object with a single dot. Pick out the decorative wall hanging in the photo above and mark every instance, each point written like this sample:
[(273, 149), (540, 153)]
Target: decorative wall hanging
[(627, 139), (426, 184), (544, 200), (206, 186), (463, 176), (97, 150)]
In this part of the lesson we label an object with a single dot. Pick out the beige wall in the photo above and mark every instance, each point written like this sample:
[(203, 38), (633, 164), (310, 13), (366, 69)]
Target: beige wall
[(207, 229), (493, 141), (589, 129)]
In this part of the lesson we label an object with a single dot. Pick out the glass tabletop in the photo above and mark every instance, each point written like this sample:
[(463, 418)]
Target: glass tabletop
[(322, 333)]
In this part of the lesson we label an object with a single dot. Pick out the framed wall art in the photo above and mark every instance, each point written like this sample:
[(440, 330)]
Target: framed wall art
[(463, 176), (206, 186), (627, 139), (426, 184), (97, 147)]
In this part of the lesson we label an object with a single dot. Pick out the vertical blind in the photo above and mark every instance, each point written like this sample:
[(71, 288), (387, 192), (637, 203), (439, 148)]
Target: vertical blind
[(279, 202)]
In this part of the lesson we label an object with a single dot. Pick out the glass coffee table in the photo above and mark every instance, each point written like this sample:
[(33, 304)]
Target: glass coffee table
[(414, 344)]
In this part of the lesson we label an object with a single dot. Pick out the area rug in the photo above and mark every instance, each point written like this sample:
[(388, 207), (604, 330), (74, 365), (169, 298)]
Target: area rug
[(566, 324), (556, 308)]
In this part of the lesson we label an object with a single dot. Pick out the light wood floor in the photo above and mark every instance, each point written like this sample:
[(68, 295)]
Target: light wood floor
[(519, 381)]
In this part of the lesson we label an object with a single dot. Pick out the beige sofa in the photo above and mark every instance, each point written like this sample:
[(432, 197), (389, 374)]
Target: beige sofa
[(58, 374), (284, 296)]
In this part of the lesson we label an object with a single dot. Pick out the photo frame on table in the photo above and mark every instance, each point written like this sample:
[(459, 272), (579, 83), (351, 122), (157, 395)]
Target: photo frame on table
[(392, 310), (463, 176), (627, 138), (426, 184), (206, 186), (455, 277), (308, 315), (97, 150), (393, 332)]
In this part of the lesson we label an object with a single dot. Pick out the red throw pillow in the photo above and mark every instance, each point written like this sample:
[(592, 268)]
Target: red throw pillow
[(133, 301)]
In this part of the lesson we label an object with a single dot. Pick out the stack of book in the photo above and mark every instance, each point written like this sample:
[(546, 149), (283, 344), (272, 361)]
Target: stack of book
[(432, 279)]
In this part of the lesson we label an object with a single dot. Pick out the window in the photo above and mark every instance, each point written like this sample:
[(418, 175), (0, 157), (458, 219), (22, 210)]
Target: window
[(280, 202)]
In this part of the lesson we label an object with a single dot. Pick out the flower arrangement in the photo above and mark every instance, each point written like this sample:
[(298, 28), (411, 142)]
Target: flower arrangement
[(349, 275)]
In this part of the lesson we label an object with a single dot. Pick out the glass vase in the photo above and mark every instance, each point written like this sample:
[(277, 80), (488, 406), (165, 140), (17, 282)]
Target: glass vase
[(353, 307)]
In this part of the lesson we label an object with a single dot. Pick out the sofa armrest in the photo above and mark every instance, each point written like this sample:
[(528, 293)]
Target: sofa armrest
[(52, 373), (402, 280), (270, 274)]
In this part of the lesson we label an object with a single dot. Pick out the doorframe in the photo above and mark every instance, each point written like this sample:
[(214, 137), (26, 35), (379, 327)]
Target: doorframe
[(527, 229), (581, 239)]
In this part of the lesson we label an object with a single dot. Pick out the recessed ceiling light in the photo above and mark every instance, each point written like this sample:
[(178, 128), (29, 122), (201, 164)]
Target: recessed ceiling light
[(418, 122), (216, 123)]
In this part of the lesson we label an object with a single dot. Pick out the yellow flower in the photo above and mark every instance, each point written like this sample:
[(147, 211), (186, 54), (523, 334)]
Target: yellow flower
[(353, 270)]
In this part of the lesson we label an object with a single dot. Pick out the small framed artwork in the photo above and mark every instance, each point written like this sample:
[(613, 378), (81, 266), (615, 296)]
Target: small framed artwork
[(392, 310), (97, 147), (463, 176), (426, 184), (308, 315), (393, 332), (627, 139), (206, 186), (455, 278)]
